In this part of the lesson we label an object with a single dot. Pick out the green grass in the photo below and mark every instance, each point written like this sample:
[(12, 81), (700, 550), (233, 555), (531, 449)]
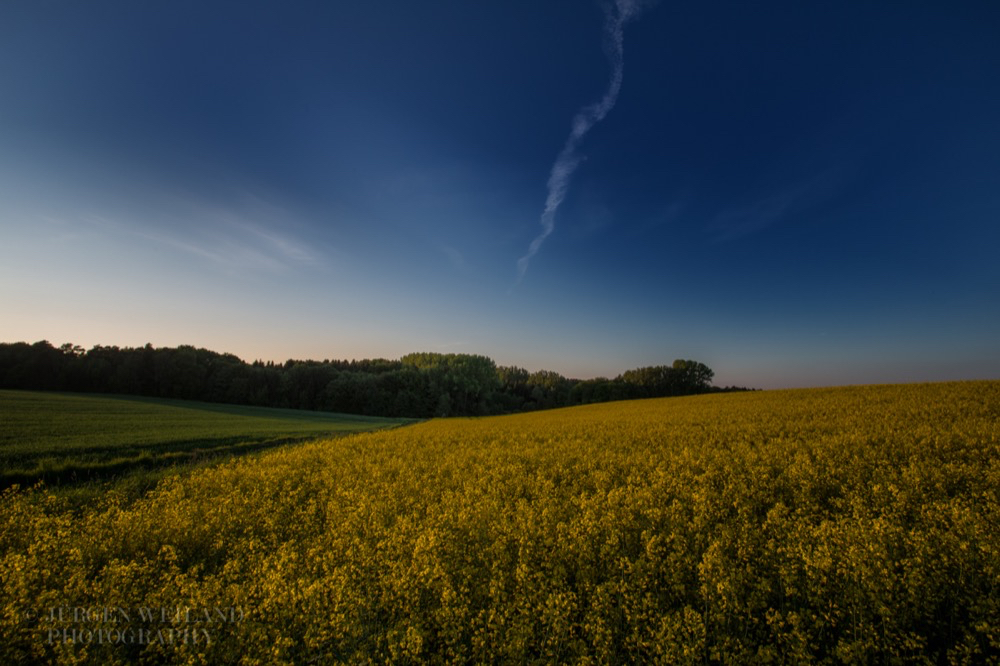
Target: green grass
[(62, 438)]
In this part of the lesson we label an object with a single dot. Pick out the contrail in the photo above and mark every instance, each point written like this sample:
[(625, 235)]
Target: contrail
[(562, 170)]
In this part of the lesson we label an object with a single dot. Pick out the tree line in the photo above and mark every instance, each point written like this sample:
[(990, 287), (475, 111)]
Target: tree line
[(419, 385)]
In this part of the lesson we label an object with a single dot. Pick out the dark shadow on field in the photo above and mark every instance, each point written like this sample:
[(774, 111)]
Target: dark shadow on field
[(258, 412), (164, 454), (93, 455)]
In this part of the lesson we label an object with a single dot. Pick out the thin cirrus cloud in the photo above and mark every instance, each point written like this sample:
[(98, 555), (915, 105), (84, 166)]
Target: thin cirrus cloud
[(784, 205), (229, 240), (735, 223), (569, 158), (455, 257)]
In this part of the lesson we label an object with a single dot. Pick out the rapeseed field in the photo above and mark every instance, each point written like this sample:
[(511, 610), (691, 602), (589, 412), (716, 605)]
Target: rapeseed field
[(844, 525)]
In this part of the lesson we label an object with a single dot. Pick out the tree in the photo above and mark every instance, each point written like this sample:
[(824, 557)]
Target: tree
[(692, 376), (418, 385), (681, 378)]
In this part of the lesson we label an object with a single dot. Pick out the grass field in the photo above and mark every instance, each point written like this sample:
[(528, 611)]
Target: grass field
[(847, 525), (60, 438)]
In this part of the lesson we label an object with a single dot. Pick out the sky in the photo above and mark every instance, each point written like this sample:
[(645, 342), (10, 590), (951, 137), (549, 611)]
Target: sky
[(793, 193)]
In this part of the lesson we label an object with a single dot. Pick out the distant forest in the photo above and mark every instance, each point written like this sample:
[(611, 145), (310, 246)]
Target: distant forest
[(418, 385)]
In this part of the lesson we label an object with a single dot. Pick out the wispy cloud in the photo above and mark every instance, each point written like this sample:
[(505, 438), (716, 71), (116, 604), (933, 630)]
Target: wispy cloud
[(668, 215), (738, 222), (617, 15), (741, 221), (243, 237), (455, 256), (60, 229)]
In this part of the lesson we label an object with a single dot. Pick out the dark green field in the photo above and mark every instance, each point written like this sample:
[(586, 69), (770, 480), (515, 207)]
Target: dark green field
[(62, 438)]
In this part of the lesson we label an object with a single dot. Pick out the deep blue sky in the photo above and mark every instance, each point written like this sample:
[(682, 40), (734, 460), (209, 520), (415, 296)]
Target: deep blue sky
[(794, 193)]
